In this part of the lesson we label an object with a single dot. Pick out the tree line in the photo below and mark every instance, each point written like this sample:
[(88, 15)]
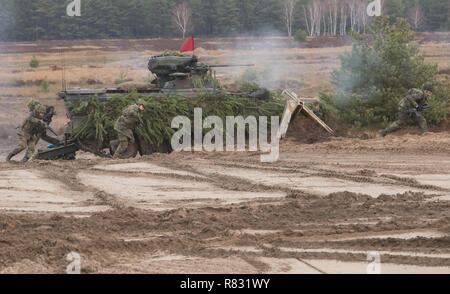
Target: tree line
[(24, 20)]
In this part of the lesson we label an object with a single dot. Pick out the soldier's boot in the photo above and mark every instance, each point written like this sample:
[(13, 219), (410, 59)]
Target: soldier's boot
[(10, 156), (25, 159), (392, 128), (13, 153), (382, 133)]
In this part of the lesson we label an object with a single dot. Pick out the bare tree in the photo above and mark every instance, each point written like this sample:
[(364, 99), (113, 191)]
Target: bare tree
[(182, 15), (416, 17), (315, 14), (333, 10), (352, 9), (288, 14), (361, 16), (333, 17), (343, 19), (308, 28)]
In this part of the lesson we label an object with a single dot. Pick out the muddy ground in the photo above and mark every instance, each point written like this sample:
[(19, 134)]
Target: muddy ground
[(320, 209)]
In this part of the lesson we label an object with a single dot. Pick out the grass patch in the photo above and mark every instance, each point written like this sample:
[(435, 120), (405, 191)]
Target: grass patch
[(34, 63)]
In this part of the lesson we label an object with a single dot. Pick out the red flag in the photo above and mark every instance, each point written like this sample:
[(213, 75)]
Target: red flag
[(188, 45)]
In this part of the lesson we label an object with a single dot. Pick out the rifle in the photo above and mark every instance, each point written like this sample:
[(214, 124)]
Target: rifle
[(419, 109), (51, 130)]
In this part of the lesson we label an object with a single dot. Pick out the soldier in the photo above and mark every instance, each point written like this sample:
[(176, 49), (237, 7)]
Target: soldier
[(411, 106), (32, 129), (125, 125)]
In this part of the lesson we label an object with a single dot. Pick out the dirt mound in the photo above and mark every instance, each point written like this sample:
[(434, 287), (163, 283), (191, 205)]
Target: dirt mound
[(305, 130), (408, 196), (344, 197), (444, 126)]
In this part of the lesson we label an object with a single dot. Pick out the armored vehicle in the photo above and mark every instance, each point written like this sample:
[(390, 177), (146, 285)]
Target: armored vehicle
[(178, 75)]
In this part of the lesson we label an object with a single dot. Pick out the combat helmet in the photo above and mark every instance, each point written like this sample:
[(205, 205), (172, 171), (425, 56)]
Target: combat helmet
[(428, 87), (32, 104), (38, 109), (140, 102)]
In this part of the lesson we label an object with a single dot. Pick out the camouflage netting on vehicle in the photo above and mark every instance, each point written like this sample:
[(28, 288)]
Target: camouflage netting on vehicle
[(100, 117), (168, 52)]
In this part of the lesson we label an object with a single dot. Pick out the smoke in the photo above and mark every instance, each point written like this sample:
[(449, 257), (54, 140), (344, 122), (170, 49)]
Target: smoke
[(274, 58)]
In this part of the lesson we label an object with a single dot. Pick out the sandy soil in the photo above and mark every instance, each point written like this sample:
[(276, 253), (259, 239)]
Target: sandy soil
[(321, 208)]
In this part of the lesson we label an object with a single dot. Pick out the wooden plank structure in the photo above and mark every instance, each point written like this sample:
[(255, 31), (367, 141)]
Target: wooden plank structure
[(294, 106)]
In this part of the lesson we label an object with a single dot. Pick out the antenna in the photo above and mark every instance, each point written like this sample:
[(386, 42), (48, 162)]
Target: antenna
[(63, 81)]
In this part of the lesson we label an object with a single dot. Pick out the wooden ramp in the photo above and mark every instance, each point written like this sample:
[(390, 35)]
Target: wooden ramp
[(294, 106)]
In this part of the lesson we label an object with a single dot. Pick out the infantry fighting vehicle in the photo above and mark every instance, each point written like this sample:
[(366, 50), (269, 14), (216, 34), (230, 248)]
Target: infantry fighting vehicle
[(175, 75)]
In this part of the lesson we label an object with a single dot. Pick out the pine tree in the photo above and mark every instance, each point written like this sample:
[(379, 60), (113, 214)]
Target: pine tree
[(229, 17), (436, 14)]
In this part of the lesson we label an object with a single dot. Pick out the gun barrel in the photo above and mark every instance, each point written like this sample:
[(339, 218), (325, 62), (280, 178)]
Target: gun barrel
[(232, 65)]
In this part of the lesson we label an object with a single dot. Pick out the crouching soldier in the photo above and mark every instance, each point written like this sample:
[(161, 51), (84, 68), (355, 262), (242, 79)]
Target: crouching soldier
[(32, 129), (412, 106), (125, 126)]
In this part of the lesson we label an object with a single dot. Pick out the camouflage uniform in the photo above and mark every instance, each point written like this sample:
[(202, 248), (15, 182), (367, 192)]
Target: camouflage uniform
[(124, 127), (32, 129), (414, 99)]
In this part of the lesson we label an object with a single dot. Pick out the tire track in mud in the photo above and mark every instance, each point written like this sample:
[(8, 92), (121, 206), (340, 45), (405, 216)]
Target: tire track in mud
[(362, 176), (101, 237), (332, 256), (66, 172), (195, 230), (225, 181)]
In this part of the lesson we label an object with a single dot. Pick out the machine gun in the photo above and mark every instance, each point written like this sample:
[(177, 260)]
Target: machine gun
[(170, 68)]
